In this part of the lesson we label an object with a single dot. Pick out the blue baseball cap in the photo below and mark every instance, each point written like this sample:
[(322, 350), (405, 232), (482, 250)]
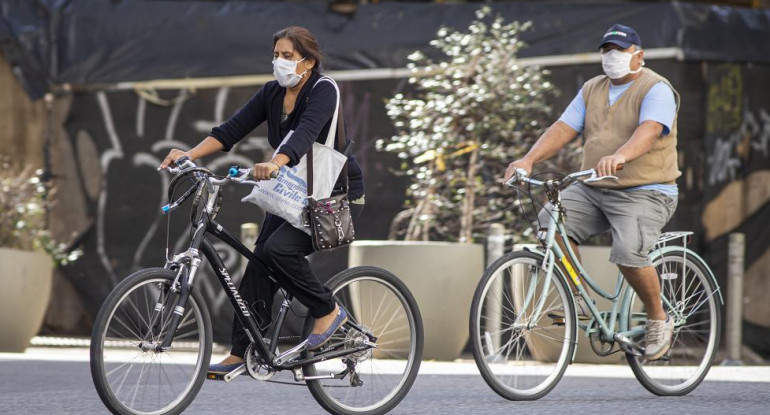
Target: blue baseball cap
[(622, 36)]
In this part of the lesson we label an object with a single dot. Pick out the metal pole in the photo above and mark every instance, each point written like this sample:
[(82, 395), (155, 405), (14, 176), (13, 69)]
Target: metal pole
[(249, 233), (735, 267), (495, 249), (495, 242)]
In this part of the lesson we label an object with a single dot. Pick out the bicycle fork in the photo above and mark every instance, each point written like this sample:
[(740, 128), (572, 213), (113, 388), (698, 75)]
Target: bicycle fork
[(176, 301)]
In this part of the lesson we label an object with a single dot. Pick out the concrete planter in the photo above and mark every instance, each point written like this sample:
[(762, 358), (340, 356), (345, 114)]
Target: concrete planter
[(25, 287), (442, 277)]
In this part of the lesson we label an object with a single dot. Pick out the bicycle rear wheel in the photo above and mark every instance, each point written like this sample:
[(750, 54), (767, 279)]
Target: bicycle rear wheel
[(131, 376), (695, 309), (380, 303), (521, 356)]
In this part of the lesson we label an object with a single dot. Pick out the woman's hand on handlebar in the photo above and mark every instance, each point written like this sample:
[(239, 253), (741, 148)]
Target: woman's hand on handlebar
[(518, 164), (609, 165), (173, 155), (264, 171)]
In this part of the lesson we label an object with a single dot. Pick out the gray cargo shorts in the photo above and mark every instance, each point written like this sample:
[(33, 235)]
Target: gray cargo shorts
[(634, 218)]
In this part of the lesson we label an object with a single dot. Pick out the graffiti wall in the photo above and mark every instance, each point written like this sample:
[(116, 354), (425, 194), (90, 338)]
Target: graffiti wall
[(737, 179)]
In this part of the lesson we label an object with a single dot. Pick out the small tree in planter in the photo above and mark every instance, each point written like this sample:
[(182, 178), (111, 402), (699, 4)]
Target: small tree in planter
[(471, 114), (25, 199), (25, 248)]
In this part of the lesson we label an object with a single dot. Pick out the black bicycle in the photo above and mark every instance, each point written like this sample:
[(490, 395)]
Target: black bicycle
[(151, 343)]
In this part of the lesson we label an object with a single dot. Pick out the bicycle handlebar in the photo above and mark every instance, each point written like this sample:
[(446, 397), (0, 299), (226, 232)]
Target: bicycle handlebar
[(183, 165), (522, 176)]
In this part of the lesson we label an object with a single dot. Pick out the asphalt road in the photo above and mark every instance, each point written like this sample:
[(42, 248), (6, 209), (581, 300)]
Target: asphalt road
[(63, 387)]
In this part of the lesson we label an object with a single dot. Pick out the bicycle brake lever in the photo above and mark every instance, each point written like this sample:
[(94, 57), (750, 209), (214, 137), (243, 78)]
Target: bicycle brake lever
[(596, 179), (518, 175)]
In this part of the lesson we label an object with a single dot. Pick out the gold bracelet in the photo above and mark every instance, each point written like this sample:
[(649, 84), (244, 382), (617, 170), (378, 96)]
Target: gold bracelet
[(275, 164)]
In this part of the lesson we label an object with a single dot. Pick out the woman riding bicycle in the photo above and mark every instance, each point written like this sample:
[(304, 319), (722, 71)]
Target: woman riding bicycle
[(295, 103)]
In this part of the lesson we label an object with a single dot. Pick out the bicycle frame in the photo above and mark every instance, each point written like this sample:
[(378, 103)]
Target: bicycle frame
[(552, 253), (185, 279)]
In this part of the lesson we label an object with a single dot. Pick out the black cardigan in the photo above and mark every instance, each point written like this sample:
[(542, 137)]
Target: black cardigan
[(310, 120)]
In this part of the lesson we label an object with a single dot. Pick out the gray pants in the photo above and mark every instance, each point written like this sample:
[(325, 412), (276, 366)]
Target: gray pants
[(634, 218)]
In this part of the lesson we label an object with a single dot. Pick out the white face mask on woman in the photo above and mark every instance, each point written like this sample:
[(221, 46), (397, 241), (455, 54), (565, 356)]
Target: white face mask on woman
[(617, 64), (285, 71)]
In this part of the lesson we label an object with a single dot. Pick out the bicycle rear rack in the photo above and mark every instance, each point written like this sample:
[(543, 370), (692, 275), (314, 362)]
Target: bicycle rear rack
[(670, 236)]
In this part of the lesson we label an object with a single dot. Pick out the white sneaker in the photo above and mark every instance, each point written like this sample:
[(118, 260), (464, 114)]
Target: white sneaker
[(657, 335)]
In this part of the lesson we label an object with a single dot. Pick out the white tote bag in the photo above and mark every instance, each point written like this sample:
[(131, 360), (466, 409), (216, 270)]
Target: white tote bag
[(286, 195)]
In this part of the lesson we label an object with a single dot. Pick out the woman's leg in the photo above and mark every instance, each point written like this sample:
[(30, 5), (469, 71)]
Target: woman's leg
[(285, 253), (282, 254)]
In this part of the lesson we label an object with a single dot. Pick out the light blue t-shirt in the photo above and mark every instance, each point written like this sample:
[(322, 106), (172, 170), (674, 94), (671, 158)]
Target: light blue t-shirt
[(658, 105)]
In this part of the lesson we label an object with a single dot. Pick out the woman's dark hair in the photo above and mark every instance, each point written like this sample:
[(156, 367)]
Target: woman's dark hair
[(303, 41)]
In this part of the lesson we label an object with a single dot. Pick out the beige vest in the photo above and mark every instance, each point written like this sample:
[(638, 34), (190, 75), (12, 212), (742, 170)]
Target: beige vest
[(607, 128)]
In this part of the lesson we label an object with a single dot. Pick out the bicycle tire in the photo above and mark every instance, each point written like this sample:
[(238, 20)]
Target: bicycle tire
[(673, 377), (506, 378), (399, 362), (112, 345)]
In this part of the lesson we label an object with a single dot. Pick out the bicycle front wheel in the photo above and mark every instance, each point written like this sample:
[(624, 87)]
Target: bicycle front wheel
[(691, 299), (520, 352), (381, 304), (131, 375)]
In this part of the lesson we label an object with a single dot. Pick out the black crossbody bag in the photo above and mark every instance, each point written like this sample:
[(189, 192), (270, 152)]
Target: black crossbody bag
[(329, 220)]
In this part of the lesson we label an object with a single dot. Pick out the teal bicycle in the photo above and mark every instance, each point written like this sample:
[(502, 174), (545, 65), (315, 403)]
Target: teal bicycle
[(522, 353)]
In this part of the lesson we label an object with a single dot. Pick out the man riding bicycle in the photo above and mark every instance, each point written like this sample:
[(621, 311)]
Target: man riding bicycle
[(628, 117)]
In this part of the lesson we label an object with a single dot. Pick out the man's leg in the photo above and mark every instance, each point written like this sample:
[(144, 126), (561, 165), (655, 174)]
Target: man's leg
[(646, 283), (636, 219)]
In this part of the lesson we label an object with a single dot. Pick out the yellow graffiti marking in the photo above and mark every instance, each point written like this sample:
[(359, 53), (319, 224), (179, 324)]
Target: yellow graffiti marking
[(725, 98)]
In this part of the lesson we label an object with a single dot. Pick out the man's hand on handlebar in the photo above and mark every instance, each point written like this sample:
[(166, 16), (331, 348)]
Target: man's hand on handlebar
[(609, 165), (518, 164), (173, 155)]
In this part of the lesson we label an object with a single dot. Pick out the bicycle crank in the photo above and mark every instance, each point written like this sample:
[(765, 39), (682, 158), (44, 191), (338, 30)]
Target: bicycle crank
[(257, 368)]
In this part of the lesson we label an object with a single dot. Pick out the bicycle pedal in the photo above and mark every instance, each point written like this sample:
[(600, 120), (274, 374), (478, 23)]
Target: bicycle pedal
[(558, 321), (215, 376)]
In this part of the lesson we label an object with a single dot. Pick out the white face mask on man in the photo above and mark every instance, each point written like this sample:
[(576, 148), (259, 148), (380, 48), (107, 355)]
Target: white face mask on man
[(617, 64), (285, 72)]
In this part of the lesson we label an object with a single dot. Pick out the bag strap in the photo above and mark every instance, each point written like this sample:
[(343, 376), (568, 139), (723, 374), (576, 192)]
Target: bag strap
[(340, 142)]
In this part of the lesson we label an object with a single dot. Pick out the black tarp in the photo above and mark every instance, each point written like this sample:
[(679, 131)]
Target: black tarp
[(88, 42)]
